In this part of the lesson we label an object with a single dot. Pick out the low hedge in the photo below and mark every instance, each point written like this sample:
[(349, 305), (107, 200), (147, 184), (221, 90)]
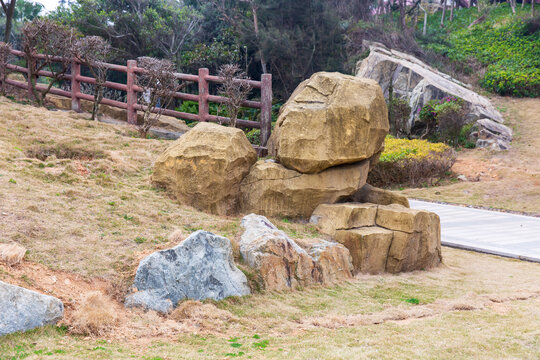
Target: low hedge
[(411, 162)]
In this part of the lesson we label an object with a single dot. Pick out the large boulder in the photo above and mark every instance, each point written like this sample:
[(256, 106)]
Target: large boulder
[(271, 189), (419, 83), (22, 309), (201, 267), (283, 264), (330, 119), (204, 167)]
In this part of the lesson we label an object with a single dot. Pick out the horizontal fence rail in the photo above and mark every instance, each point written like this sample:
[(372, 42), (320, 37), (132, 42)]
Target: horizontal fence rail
[(203, 98)]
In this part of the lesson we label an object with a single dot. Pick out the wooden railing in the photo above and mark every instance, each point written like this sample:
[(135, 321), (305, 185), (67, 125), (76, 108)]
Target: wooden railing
[(203, 97)]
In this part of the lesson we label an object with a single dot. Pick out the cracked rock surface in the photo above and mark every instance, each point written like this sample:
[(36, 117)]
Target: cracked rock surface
[(281, 263)]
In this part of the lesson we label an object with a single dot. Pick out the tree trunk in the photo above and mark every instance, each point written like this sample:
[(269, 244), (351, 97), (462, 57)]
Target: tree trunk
[(402, 24), (425, 22), (256, 26), (9, 10), (452, 10), (532, 7), (523, 3), (443, 12)]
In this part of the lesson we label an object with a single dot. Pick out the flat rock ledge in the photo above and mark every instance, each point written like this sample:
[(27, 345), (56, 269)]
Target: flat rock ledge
[(201, 267), (22, 309)]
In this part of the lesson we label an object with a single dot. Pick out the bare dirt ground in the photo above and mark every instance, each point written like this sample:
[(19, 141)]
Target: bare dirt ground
[(508, 180), (78, 195)]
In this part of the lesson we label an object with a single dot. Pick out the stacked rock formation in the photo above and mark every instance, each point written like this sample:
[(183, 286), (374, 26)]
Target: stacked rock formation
[(325, 137)]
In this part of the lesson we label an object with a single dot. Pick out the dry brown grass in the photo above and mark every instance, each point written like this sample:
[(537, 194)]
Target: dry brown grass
[(11, 254), (96, 316), (502, 180)]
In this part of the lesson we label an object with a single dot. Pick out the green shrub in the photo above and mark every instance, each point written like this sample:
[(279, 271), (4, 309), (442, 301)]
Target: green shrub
[(443, 119), (509, 46), (411, 162)]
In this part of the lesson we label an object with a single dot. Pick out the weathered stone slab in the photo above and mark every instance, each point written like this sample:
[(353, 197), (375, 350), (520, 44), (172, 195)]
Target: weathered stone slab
[(332, 217), (271, 189)]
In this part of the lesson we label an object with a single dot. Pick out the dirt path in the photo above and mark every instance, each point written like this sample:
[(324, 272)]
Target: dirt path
[(508, 180)]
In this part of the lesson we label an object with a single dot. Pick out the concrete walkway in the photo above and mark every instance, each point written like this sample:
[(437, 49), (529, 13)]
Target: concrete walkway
[(492, 232)]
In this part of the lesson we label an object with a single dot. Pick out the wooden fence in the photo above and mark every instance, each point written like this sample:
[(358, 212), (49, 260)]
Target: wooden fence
[(203, 97)]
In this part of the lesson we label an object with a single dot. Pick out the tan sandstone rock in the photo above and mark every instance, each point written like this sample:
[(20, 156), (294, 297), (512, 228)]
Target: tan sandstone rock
[(330, 119), (371, 194), (282, 264), (204, 167), (332, 217), (403, 239), (270, 189), (423, 228), (368, 247)]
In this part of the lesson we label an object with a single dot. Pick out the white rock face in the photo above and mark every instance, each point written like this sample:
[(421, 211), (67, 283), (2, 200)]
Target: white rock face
[(201, 267), (418, 82), (22, 309)]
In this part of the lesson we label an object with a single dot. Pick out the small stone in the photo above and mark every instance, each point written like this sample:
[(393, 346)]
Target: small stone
[(462, 178)]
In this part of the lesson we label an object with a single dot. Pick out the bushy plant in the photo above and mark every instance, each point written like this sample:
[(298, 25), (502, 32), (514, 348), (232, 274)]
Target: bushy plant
[(508, 47), (443, 119), (411, 162)]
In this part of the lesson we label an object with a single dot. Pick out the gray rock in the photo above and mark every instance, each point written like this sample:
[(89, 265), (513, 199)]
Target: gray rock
[(22, 309), (417, 82), (493, 135), (201, 267)]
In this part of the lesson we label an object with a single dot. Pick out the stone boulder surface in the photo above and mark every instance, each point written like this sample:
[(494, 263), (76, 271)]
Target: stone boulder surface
[(371, 194), (204, 168), (283, 264), (419, 83), (271, 189), (493, 135), (330, 218), (201, 267), (330, 119), (22, 309), (383, 238)]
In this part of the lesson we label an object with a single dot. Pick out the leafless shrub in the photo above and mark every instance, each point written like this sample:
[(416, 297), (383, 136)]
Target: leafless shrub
[(96, 315), (54, 43), (5, 57), (235, 88), (94, 51), (11, 254), (158, 84), (412, 171), (451, 122)]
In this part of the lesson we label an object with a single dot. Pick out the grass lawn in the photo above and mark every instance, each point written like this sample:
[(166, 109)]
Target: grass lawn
[(89, 213)]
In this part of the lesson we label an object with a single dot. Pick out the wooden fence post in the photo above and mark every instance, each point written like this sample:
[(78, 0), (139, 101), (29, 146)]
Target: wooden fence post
[(75, 86), (266, 108), (131, 93), (29, 78), (203, 94)]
